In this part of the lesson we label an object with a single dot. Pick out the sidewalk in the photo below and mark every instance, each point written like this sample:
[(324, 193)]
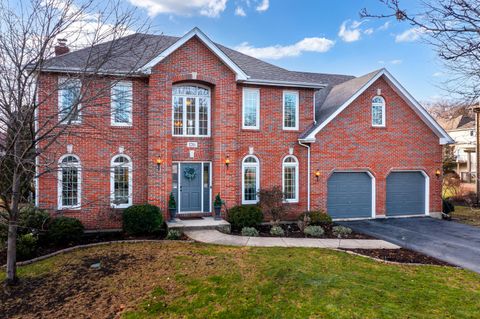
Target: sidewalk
[(215, 237)]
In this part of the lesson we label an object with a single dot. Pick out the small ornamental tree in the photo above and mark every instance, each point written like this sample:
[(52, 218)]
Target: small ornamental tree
[(271, 203), (172, 204)]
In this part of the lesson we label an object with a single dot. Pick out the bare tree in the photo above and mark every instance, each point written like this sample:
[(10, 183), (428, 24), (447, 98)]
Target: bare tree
[(29, 31), (452, 27)]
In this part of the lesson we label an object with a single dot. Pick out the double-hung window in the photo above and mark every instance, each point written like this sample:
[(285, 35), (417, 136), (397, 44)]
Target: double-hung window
[(191, 110), (290, 179), (378, 111), (69, 182), (290, 110), (69, 108), (121, 181), (250, 180), (121, 104), (251, 109)]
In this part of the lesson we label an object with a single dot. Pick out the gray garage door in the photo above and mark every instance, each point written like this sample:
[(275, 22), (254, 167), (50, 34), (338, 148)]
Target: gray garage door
[(405, 194), (349, 195)]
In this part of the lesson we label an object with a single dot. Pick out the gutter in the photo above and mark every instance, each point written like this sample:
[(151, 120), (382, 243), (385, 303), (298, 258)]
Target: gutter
[(308, 170), (285, 83)]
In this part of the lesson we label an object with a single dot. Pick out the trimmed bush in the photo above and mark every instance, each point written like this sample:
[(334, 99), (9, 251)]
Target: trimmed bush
[(277, 231), (33, 220), (314, 231), (174, 234), (65, 230), (26, 246), (317, 218), (249, 231), (341, 231), (142, 219), (244, 216)]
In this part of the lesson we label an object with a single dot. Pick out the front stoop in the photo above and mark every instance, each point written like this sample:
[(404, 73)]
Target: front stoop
[(200, 224)]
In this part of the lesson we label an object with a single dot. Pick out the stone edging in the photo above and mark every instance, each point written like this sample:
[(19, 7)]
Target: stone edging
[(78, 247)]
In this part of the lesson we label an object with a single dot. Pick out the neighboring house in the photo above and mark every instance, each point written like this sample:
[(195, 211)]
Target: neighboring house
[(205, 119), (462, 131)]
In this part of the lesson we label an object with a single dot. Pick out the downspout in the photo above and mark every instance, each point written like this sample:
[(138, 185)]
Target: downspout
[(308, 170)]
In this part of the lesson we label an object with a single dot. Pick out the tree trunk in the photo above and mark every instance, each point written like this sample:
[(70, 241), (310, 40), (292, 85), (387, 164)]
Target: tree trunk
[(12, 253)]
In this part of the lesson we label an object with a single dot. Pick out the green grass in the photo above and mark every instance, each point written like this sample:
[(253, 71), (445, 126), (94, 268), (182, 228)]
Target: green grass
[(467, 215), (185, 280)]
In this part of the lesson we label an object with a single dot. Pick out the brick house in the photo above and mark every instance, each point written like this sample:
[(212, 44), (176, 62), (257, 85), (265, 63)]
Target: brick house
[(200, 119)]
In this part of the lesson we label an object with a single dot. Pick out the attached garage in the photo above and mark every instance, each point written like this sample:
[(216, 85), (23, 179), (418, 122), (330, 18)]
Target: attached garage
[(406, 193), (350, 195)]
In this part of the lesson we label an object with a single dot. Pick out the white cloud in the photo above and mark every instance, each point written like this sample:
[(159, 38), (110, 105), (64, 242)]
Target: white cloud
[(437, 74), (384, 26), (350, 33), (279, 51), (397, 61), (263, 6), (240, 12), (410, 35), (368, 31), (393, 62), (209, 8)]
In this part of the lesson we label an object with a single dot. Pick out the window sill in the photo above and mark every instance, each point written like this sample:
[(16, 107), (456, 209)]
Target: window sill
[(290, 129), (192, 136), (69, 209), (379, 126), (247, 129), (121, 125)]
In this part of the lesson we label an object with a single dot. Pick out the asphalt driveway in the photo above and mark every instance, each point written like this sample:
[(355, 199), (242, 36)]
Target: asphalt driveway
[(452, 242)]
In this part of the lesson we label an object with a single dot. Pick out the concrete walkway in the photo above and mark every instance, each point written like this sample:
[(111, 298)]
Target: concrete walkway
[(211, 236)]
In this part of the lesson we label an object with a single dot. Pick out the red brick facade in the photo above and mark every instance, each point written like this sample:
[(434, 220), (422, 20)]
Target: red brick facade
[(348, 142)]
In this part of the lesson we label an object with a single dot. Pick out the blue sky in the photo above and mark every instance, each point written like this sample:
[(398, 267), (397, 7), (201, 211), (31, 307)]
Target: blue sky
[(273, 30)]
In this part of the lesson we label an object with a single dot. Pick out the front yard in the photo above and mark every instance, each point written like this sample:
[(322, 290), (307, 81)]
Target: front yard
[(467, 215), (189, 280)]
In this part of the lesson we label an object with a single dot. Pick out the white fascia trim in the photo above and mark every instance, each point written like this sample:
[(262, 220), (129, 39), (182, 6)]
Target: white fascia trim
[(444, 138), (285, 83), (209, 43)]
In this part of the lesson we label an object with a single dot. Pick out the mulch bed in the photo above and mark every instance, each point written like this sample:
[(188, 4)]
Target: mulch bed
[(292, 231), (401, 255)]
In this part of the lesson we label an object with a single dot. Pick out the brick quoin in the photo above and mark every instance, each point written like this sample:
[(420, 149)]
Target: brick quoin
[(348, 142)]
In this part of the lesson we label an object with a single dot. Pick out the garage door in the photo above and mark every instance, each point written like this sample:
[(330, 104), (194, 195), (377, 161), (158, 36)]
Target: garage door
[(349, 195), (405, 194)]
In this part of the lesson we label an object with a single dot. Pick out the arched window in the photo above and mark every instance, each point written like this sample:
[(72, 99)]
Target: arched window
[(121, 181), (250, 179), (378, 111), (191, 110), (69, 182), (290, 179)]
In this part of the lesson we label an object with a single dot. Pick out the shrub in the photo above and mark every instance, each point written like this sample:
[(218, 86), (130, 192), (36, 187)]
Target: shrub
[(142, 219), (174, 234), (26, 246), (249, 231), (447, 206), (341, 231), (317, 218), (271, 203), (33, 220), (244, 216), (314, 231), (277, 231), (65, 230)]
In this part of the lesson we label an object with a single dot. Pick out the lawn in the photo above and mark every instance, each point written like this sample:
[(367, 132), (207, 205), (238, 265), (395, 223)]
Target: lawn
[(467, 215), (186, 280)]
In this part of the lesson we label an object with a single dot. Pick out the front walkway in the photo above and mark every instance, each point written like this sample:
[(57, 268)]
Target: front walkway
[(211, 236)]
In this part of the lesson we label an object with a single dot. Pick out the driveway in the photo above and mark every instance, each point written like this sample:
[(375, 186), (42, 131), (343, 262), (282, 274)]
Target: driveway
[(452, 242)]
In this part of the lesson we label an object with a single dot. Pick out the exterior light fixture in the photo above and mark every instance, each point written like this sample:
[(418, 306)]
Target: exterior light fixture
[(159, 162), (317, 174), (438, 173), (227, 161)]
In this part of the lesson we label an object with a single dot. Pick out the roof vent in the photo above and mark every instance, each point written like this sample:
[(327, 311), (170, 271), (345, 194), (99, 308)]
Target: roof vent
[(61, 48)]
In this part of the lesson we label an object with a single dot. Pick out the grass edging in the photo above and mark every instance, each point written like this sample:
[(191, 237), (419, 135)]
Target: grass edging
[(73, 248)]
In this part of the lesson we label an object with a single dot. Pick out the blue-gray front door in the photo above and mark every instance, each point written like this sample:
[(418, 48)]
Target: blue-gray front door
[(349, 195), (190, 187), (405, 194)]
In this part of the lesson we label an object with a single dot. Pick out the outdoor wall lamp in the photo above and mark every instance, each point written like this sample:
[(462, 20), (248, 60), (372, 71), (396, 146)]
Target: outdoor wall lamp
[(317, 174), (227, 161), (159, 162), (438, 173)]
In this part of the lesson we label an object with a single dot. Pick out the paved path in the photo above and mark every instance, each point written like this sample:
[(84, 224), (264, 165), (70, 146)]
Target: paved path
[(216, 237), (449, 241)]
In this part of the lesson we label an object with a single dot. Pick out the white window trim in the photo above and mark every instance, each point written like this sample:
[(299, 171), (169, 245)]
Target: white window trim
[(295, 165), (60, 183), (297, 120), (128, 165), (257, 178), (197, 106), (61, 81), (112, 106), (257, 122), (383, 111)]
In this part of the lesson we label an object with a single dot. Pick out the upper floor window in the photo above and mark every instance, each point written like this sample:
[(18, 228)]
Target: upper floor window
[(69, 100), (121, 181), (378, 111), (191, 110), (121, 103), (69, 182), (290, 110), (251, 109), (250, 180), (290, 179)]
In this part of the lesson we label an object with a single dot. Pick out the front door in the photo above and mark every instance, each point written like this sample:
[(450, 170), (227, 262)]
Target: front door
[(190, 187)]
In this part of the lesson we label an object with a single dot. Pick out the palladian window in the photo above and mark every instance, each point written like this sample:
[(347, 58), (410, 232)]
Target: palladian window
[(378, 111), (191, 110), (250, 180)]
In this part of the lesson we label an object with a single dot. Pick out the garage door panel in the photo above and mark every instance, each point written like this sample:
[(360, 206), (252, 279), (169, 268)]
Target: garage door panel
[(405, 194), (349, 195)]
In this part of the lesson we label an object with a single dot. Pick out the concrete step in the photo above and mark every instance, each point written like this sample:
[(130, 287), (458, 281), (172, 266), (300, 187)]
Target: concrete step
[(199, 224)]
